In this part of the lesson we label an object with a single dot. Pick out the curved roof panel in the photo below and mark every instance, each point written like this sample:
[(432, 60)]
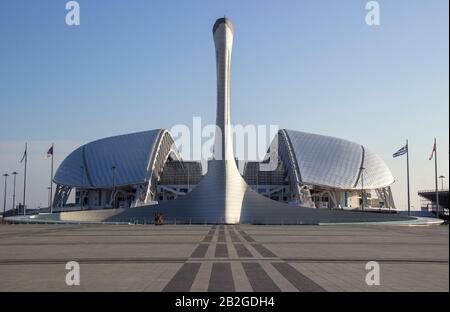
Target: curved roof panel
[(69, 172), (129, 153), (376, 173), (333, 162)]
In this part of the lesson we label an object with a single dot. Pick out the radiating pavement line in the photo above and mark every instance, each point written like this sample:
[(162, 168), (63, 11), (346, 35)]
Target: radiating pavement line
[(232, 254), (258, 278), (221, 278), (247, 237), (183, 279), (245, 242), (221, 251), (242, 251), (277, 277), (300, 281), (234, 237), (202, 279), (241, 282), (200, 251), (231, 251), (221, 237), (207, 239), (266, 253)]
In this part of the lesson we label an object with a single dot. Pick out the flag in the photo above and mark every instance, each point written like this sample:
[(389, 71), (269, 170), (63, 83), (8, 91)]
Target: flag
[(433, 151), (49, 153), (24, 154), (401, 151)]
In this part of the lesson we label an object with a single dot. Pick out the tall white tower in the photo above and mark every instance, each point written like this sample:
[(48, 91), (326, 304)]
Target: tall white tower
[(223, 168), (223, 40), (220, 194)]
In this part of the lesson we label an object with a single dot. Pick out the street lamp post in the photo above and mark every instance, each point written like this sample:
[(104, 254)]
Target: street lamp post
[(188, 182), (257, 180), (49, 196), (442, 182), (14, 193), (4, 197), (362, 187), (82, 184), (113, 168)]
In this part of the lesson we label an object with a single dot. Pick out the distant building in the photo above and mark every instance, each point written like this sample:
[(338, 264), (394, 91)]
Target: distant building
[(428, 201)]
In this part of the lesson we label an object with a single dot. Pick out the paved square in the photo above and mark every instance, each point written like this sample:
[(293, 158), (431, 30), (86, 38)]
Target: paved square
[(223, 257)]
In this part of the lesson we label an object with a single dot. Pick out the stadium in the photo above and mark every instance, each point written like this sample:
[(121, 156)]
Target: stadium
[(145, 168), (317, 178)]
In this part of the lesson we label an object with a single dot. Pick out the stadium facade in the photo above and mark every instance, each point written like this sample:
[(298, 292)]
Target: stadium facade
[(316, 178), (145, 168)]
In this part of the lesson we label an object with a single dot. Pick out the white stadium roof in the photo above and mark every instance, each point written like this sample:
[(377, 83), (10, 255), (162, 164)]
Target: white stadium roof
[(321, 160), (335, 163), (129, 153)]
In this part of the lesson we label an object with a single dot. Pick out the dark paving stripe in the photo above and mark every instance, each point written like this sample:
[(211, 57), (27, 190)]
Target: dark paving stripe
[(121, 235), (356, 243), (183, 279), (207, 238), (221, 278), (258, 278), (356, 260), (247, 237), (242, 251), (211, 232), (44, 231), (266, 253), (324, 235), (221, 237), (234, 237), (183, 259), (98, 243), (200, 251), (300, 281), (91, 261), (221, 251), (214, 227)]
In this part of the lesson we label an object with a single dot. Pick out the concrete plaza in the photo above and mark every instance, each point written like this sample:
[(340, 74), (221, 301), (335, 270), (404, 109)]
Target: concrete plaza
[(223, 257)]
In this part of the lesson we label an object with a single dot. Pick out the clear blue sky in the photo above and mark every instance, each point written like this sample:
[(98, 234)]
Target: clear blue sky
[(310, 65)]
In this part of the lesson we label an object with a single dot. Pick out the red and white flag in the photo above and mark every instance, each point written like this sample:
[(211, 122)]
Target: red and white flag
[(433, 151)]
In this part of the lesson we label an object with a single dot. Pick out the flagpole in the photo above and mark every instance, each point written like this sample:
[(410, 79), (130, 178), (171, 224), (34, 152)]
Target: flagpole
[(51, 182), (436, 178), (407, 177), (25, 179)]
